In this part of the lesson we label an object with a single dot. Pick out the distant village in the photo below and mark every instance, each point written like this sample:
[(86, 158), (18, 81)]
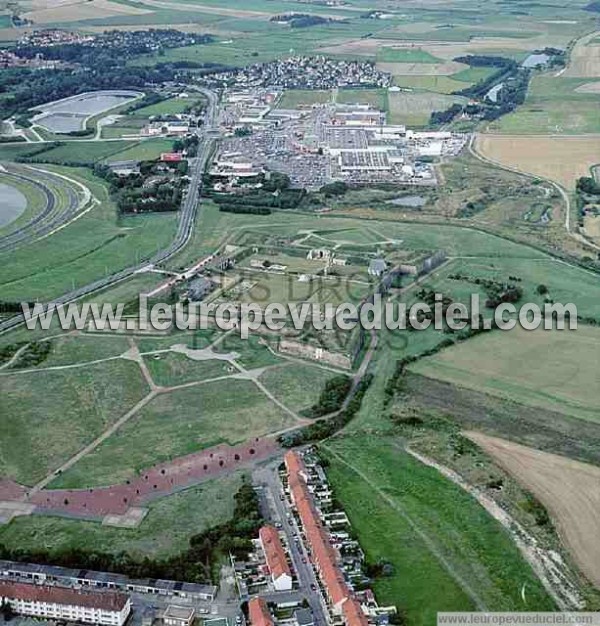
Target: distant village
[(302, 72)]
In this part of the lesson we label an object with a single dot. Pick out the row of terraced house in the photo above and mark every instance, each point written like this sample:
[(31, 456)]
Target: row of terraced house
[(344, 604)]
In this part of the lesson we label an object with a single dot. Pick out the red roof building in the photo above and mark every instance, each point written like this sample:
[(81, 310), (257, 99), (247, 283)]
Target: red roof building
[(171, 157), (324, 555), (277, 562), (109, 608), (259, 613)]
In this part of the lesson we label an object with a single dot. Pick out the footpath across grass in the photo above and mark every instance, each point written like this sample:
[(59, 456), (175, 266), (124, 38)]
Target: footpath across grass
[(446, 553)]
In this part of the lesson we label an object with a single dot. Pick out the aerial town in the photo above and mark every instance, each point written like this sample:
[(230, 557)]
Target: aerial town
[(319, 144), (299, 313)]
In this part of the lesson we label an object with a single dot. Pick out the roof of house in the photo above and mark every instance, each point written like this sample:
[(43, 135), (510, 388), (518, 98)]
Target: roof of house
[(323, 552), (353, 614), (377, 265), (179, 612), (274, 552), (259, 613), (106, 600)]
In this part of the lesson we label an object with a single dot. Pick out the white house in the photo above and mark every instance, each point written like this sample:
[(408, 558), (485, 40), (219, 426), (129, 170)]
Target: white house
[(108, 608)]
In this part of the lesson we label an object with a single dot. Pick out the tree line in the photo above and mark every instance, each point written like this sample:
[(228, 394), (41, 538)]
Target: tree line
[(199, 563)]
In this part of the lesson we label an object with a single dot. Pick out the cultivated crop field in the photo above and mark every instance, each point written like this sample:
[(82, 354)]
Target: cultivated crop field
[(554, 370), (567, 488), (561, 159)]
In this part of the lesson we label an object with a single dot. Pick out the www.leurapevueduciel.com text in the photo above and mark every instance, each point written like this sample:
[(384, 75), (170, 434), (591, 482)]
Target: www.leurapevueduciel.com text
[(374, 314)]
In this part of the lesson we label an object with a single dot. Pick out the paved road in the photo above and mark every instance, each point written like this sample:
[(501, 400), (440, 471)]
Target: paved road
[(279, 511), (187, 219)]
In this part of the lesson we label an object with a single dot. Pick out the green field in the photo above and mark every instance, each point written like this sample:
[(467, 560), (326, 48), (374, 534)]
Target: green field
[(82, 348), (406, 55), (164, 532), (414, 109), (377, 98), (297, 386), (439, 84), (553, 370), (96, 244), (435, 536), (553, 106), (175, 424), (172, 106), (170, 368), (55, 413), (295, 98)]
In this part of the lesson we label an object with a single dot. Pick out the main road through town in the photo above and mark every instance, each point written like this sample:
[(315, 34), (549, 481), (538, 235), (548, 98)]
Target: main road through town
[(187, 219)]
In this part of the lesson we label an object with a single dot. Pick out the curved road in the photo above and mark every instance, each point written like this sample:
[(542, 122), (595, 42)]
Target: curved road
[(187, 219), (46, 221)]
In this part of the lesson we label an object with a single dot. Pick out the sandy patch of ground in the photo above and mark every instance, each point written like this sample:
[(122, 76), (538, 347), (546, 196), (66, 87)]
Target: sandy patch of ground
[(48, 12), (569, 490), (561, 159), (589, 88), (591, 226), (585, 58), (421, 69), (441, 49)]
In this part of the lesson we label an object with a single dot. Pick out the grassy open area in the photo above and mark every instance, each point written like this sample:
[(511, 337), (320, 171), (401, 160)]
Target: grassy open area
[(377, 98), (170, 368), (296, 98), (164, 532), (55, 413), (172, 106), (82, 348), (96, 244), (405, 55), (175, 424), (435, 536), (297, 386), (553, 370), (554, 105), (414, 109)]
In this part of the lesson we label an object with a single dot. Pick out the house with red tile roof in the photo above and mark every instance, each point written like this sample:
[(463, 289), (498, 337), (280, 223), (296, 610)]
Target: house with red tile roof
[(259, 613), (107, 608), (277, 562), (325, 558)]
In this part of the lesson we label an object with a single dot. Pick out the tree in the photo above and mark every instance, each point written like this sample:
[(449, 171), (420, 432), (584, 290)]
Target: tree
[(337, 188), (542, 290), (6, 610)]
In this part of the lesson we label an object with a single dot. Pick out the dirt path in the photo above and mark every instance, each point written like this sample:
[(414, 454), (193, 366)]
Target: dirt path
[(570, 491), (545, 564), (417, 530)]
